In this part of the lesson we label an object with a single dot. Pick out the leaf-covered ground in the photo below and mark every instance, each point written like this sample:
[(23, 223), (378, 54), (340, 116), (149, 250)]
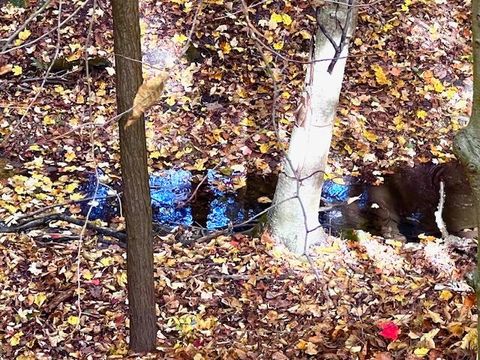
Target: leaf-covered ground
[(407, 90), (240, 298)]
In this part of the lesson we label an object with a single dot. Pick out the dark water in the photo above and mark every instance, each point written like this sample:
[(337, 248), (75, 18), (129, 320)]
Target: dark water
[(402, 207), (216, 204)]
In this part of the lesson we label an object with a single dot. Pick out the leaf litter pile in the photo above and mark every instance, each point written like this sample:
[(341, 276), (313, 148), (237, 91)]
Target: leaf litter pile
[(240, 298), (407, 90)]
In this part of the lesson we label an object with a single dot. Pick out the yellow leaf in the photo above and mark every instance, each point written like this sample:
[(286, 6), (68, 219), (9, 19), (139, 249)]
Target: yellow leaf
[(87, 274), (143, 27), (121, 278), (446, 295), (17, 70), (264, 148), (456, 329), (437, 85), (242, 92), (247, 122), (276, 18), (48, 120), (73, 320), (69, 156), (370, 136), (328, 176), (380, 75), (34, 147), (59, 89), (219, 260), (226, 47), (75, 56), (39, 299), (338, 180), (107, 261), (421, 114), (76, 196), (71, 187), (387, 27), (179, 38), (11, 209), (302, 344), (356, 102), (287, 20), (421, 351), (199, 164), (147, 95), (15, 339), (155, 154), (278, 45), (24, 35), (450, 93), (305, 35), (469, 341), (405, 6)]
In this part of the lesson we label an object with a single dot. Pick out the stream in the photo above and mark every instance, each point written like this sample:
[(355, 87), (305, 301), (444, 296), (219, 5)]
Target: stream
[(402, 207)]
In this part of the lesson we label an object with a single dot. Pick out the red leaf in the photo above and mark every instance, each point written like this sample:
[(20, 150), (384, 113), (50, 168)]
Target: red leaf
[(389, 331), (198, 343)]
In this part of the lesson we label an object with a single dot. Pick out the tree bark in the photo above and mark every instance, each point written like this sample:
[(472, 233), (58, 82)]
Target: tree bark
[(467, 142), (295, 221), (136, 191)]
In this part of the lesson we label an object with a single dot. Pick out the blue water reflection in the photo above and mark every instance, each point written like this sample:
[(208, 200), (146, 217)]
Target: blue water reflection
[(103, 203), (335, 193), (224, 209), (170, 189)]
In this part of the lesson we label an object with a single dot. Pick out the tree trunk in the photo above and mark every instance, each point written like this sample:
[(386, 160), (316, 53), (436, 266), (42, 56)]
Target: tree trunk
[(295, 221), (467, 142), (136, 191)]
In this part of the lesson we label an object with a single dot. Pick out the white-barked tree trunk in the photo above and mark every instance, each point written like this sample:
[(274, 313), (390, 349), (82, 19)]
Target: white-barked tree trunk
[(294, 216)]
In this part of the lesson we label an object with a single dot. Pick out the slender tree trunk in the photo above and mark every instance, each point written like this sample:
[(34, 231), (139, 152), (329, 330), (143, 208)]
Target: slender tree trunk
[(295, 221), (467, 142), (136, 191)]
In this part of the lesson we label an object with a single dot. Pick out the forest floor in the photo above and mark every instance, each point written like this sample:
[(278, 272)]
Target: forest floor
[(241, 298), (407, 90)]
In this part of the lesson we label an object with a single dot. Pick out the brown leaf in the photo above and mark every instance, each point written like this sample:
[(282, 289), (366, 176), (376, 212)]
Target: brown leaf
[(279, 356), (147, 95), (5, 69), (382, 356)]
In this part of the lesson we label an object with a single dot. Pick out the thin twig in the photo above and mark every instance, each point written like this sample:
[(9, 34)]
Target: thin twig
[(92, 144)]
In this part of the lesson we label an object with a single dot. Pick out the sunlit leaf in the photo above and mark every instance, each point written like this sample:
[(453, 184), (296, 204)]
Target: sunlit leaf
[(73, 320), (17, 70)]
